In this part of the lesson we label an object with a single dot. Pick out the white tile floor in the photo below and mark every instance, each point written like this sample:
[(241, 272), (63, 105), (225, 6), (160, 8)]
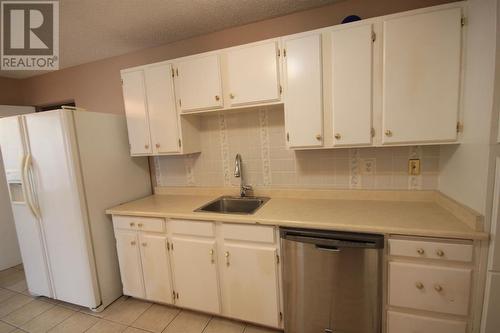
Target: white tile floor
[(20, 312)]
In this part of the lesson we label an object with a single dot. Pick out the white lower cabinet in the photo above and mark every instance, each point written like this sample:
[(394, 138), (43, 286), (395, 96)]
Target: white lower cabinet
[(130, 263), (220, 268), (155, 267), (195, 274), (429, 285), (250, 283), (398, 322), (144, 260)]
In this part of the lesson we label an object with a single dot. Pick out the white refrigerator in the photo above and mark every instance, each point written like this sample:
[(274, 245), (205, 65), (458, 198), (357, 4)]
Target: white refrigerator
[(63, 169)]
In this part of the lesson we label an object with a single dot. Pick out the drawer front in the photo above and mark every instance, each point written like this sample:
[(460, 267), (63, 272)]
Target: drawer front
[(192, 228), (251, 233), (398, 322), (431, 288), (430, 250), (151, 224)]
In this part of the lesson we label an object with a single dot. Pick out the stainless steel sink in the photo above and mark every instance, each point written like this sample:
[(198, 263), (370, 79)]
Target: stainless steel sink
[(234, 205)]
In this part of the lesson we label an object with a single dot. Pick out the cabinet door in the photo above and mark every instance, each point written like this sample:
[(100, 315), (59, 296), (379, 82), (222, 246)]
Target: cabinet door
[(195, 274), (352, 85), (198, 83), (134, 98), (161, 108), (253, 74), (12, 146), (156, 268), (130, 263), (303, 91), (421, 77), (250, 284)]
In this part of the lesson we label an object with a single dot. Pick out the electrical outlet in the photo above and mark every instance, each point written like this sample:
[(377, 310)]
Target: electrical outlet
[(369, 166), (414, 167)]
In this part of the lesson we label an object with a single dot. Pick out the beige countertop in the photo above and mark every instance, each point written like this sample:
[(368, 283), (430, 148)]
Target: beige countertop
[(424, 213)]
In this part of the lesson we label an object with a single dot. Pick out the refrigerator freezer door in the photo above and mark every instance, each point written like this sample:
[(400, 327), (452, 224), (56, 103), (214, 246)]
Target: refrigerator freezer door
[(11, 141), (58, 191), (27, 226)]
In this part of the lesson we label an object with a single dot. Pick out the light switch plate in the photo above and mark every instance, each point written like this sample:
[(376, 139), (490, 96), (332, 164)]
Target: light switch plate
[(414, 167)]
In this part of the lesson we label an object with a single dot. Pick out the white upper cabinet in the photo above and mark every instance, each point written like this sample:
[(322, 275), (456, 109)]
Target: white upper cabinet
[(134, 98), (154, 126), (421, 77), (303, 91), (252, 74), (198, 83), (161, 108), (351, 90)]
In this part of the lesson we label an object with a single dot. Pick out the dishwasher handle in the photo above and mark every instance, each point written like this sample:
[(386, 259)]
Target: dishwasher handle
[(333, 239)]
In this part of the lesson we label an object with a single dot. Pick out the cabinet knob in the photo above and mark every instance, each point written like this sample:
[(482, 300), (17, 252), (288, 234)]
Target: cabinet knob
[(140, 225), (217, 97), (318, 136), (420, 251), (132, 224), (144, 244), (388, 133), (440, 253), (132, 243), (438, 288), (419, 285), (157, 145), (146, 146), (338, 136), (231, 95)]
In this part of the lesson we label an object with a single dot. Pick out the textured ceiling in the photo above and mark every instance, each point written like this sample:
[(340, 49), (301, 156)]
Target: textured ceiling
[(96, 29)]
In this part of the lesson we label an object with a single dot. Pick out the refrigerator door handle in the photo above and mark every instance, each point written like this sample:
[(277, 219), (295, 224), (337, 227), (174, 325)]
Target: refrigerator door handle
[(28, 177)]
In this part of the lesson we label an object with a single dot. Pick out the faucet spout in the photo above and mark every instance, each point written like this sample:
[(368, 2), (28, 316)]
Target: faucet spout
[(238, 173), (237, 167)]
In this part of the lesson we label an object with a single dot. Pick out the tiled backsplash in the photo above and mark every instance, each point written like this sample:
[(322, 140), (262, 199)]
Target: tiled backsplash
[(259, 136)]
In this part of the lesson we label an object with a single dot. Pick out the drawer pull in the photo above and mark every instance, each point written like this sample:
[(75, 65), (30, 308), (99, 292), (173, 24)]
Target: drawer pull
[(132, 243), (440, 253), (132, 224), (419, 285), (420, 251), (227, 258), (140, 225), (438, 288), (144, 244)]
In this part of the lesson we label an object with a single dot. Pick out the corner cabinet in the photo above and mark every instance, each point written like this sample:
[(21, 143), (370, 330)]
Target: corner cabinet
[(202, 265), (154, 127), (421, 77), (303, 91)]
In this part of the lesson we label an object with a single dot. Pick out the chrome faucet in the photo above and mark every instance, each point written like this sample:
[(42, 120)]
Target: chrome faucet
[(238, 173)]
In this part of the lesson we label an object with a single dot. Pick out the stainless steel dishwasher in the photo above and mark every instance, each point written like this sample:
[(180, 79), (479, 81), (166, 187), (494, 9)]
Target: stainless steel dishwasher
[(332, 281)]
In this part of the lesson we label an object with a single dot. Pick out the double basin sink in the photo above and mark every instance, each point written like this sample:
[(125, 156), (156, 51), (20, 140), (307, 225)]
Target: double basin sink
[(234, 205)]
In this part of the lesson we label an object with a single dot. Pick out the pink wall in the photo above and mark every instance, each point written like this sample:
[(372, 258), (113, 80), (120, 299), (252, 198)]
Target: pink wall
[(11, 91), (96, 86)]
